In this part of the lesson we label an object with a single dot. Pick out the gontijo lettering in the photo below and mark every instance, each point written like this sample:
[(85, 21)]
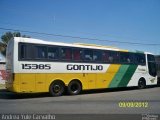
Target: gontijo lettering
[(85, 67)]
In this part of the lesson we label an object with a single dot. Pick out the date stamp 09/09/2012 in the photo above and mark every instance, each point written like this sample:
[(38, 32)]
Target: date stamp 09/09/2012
[(133, 104)]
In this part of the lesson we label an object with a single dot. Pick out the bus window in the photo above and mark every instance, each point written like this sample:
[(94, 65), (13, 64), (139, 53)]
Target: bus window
[(52, 53), (113, 57), (105, 56), (40, 52), (25, 51), (88, 55), (77, 54), (66, 53), (97, 55), (151, 58), (152, 65), (110, 56), (126, 57), (140, 59)]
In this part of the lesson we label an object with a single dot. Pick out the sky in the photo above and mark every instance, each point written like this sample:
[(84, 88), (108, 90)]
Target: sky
[(113, 20)]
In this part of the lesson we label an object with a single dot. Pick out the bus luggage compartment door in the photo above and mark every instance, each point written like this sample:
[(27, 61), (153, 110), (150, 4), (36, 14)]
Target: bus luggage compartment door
[(27, 83)]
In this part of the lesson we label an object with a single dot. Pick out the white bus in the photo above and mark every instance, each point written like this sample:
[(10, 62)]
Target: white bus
[(39, 66)]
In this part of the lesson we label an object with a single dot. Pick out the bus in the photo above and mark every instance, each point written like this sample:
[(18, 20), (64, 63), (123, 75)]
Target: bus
[(35, 65)]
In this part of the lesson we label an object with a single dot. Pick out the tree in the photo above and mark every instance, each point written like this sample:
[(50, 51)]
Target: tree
[(6, 38)]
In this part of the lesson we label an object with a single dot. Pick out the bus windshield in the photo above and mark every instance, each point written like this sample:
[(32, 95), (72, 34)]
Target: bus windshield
[(151, 65)]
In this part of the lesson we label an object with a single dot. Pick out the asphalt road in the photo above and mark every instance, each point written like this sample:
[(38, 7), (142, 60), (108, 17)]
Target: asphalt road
[(89, 102)]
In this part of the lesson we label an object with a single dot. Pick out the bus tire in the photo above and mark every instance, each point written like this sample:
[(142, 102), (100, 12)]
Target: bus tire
[(141, 83), (74, 87), (57, 88)]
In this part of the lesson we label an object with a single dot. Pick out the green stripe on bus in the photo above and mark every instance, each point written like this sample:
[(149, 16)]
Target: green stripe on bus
[(128, 75), (118, 77)]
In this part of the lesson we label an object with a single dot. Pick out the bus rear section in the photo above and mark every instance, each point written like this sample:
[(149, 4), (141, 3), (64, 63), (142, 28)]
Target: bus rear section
[(9, 65)]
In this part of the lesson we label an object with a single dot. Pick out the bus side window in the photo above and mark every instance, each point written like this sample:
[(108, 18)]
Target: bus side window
[(114, 57), (66, 53), (25, 51), (88, 55), (53, 53), (97, 55), (105, 56), (126, 57), (40, 52), (77, 54), (140, 58)]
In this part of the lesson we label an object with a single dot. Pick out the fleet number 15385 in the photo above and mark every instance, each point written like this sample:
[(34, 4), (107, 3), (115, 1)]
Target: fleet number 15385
[(36, 66)]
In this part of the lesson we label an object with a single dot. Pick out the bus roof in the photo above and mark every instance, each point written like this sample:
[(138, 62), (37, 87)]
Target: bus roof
[(80, 45)]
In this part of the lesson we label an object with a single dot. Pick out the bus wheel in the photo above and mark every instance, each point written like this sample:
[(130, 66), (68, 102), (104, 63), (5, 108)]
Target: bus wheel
[(57, 88), (142, 83), (74, 87)]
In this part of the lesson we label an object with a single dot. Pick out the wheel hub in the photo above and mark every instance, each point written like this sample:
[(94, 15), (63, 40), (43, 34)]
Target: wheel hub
[(57, 88)]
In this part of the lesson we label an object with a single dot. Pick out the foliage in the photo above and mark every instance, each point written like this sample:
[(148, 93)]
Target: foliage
[(6, 38)]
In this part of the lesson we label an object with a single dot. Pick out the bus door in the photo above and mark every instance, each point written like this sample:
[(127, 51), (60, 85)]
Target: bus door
[(152, 67)]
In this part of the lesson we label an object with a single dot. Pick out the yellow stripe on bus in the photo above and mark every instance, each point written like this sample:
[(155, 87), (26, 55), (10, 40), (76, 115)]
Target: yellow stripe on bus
[(104, 79), (124, 50), (113, 69)]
